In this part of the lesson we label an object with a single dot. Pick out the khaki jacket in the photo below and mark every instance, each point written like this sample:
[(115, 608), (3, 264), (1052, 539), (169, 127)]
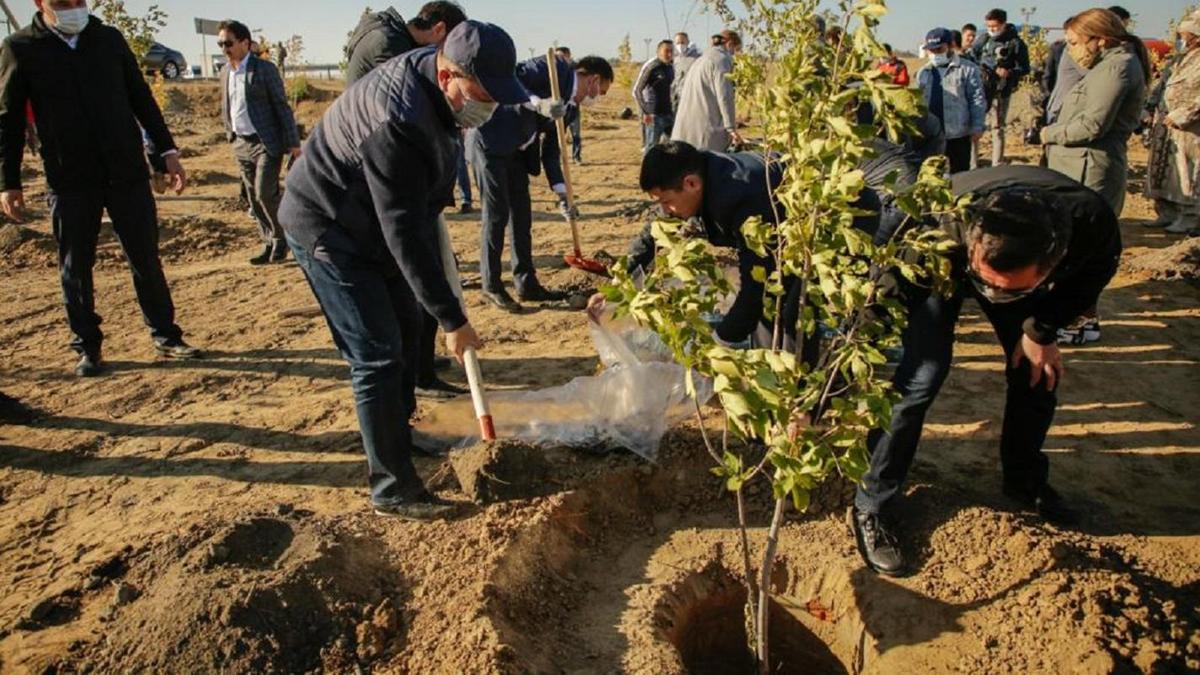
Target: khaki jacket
[(1089, 140)]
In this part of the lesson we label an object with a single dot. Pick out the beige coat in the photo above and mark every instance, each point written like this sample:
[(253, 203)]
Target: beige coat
[(1089, 140), (706, 115), (1175, 153)]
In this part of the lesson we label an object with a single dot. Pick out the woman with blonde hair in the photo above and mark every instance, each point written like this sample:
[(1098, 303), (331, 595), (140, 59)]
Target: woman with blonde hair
[(1089, 140)]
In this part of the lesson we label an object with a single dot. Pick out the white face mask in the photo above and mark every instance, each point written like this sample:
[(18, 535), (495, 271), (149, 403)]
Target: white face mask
[(680, 47), (474, 113), (995, 32), (71, 21), (589, 101), (939, 60)]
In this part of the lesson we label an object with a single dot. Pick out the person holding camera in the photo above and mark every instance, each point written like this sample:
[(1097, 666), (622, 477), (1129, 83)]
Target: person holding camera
[(1004, 58)]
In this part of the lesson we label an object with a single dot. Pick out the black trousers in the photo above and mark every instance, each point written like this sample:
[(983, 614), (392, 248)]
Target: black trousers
[(958, 152), (504, 193), (75, 217), (260, 176), (928, 351)]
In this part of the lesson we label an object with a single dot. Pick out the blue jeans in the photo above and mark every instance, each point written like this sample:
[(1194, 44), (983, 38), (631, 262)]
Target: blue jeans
[(660, 125), (374, 319), (464, 177), (577, 138), (928, 350)]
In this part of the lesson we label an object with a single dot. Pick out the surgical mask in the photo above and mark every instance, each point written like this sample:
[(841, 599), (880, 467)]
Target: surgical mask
[(680, 47), (71, 21), (995, 32), (1082, 56), (939, 60), (474, 113), (589, 101), (998, 296)]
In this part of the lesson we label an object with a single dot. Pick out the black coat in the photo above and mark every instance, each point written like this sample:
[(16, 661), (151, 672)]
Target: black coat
[(88, 103), (377, 39)]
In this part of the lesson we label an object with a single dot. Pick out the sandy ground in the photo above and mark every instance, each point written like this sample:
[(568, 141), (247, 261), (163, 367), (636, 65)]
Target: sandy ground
[(213, 515)]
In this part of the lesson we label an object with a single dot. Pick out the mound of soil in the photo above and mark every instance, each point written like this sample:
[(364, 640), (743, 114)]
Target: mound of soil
[(1180, 260), (268, 593), (24, 247)]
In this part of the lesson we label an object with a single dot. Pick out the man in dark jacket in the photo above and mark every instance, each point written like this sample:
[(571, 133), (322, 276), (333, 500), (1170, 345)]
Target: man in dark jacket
[(382, 36), (259, 123), (1004, 58), (360, 215), (379, 38), (89, 98), (652, 92), (1035, 250), (519, 141), (724, 190)]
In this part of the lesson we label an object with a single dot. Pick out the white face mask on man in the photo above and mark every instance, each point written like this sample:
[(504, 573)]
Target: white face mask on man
[(940, 60), (71, 21)]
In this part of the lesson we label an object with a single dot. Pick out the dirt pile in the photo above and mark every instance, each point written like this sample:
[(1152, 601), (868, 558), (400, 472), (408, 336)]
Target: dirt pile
[(1180, 260), (270, 593)]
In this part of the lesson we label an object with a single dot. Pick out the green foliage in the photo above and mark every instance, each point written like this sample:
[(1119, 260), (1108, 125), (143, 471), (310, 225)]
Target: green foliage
[(298, 89), (625, 50), (139, 31), (812, 420)]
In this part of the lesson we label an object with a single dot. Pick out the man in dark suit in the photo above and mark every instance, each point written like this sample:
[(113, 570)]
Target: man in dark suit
[(91, 102), (519, 141), (259, 123)]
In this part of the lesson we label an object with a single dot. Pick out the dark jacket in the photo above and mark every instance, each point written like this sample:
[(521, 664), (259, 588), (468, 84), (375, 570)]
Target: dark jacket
[(1007, 50), (374, 175), (512, 126), (378, 38), (267, 104), (653, 89), (1085, 224), (88, 103)]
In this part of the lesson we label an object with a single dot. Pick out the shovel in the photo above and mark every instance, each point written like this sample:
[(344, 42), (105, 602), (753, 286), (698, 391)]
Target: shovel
[(576, 260), (487, 430)]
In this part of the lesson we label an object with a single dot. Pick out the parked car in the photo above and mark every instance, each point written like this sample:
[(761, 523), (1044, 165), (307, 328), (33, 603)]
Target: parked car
[(163, 59)]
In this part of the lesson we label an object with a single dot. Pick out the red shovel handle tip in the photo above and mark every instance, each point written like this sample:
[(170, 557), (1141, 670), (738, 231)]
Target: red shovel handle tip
[(486, 428)]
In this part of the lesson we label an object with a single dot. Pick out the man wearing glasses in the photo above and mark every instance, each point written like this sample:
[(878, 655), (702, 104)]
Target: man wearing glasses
[(260, 124), (1035, 249)]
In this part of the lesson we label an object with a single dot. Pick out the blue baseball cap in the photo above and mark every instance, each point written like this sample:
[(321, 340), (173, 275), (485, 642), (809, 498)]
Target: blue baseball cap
[(938, 37), (484, 51)]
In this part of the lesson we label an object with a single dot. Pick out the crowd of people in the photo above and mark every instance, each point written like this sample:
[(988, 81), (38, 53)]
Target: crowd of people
[(441, 102)]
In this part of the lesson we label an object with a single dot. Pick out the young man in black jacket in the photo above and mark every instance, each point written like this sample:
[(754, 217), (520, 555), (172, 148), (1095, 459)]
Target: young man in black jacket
[(1004, 58), (1034, 250), (360, 214), (652, 92), (91, 103), (382, 36)]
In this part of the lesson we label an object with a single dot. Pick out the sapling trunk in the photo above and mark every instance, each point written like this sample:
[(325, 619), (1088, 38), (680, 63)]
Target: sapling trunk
[(764, 587)]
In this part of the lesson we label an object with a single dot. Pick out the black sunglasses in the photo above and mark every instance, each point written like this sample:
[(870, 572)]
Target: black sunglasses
[(226, 43)]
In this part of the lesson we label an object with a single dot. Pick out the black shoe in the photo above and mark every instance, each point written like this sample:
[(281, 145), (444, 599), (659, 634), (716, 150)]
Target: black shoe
[(503, 300), (1046, 502), (279, 252), (539, 293), (876, 544), (90, 365), (442, 362), (176, 349), (423, 507), (466, 208), (439, 389), (264, 257)]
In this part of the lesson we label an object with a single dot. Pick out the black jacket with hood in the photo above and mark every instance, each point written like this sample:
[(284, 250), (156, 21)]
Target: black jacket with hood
[(378, 38)]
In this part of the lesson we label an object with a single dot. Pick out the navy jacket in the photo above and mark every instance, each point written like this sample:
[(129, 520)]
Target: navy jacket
[(374, 177), (90, 104), (513, 125), (267, 104)]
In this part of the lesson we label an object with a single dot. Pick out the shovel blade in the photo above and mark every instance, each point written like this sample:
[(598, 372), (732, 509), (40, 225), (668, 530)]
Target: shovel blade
[(587, 265)]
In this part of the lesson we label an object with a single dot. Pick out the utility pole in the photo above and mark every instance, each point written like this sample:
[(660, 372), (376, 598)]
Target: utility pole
[(1027, 14), (647, 41)]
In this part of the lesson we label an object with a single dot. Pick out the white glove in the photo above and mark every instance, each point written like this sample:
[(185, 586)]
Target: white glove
[(545, 107)]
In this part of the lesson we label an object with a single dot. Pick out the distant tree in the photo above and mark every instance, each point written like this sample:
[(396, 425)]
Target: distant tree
[(625, 50), (139, 31)]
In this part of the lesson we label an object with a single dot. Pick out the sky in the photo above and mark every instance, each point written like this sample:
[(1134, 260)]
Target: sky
[(593, 27)]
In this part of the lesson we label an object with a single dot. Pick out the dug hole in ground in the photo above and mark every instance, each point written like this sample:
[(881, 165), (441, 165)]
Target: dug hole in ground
[(212, 515)]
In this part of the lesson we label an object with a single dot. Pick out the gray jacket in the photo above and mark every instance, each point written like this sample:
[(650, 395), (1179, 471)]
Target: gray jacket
[(706, 113), (964, 106), (267, 104), (1089, 140)]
